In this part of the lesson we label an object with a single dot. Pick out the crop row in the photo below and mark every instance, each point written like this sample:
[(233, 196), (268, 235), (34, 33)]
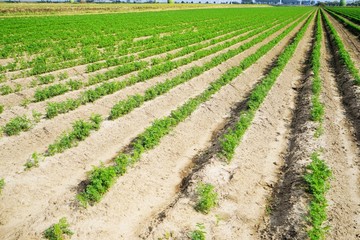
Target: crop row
[(134, 101), (55, 108), (343, 54), (61, 57), (318, 174), (353, 14), (348, 24), (101, 178), (232, 139), (51, 91)]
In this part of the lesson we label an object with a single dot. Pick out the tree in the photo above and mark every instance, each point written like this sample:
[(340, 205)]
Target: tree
[(342, 2)]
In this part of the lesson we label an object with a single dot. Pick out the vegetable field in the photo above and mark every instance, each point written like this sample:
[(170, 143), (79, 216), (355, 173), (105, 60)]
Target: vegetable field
[(227, 123)]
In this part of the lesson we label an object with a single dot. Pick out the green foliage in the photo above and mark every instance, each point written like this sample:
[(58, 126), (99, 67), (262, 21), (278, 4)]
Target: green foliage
[(46, 79), (25, 102), (36, 116), (152, 135), (317, 179), (33, 161), (57, 89), (5, 89), (81, 130), (58, 231), (17, 125), (207, 198), (199, 233), (63, 76), (102, 178), (231, 139), (2, 184), (343, 54), (1, 108)]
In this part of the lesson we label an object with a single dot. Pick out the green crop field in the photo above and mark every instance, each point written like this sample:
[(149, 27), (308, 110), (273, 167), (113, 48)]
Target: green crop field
[(171, 121)]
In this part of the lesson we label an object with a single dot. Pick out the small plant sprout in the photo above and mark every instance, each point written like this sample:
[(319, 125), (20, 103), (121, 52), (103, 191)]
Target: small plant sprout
[(36, 116), (33, 161), (207, 198), (2, 184), (199, 233), (25, 102), (58, 231)]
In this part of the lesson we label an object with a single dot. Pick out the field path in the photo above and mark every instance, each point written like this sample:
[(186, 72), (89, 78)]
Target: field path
[(342, 155)]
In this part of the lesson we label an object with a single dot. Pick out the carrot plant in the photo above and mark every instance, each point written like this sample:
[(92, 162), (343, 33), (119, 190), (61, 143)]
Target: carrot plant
[(2, 184), (199, 233), (207, 197), (58, 231), (318, 174), (81, 130), (17, 125), (317, 179)]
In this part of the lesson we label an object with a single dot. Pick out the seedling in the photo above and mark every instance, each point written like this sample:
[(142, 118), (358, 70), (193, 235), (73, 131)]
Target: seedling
[(58, 231), (207, 198), (199, 233)]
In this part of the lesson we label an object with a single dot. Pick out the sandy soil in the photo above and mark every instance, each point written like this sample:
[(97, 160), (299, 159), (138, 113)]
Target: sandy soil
[(261, 192), (341, 154), (245, 183), (69, 168)]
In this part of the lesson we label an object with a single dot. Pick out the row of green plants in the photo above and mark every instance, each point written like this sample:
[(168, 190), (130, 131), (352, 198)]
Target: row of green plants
[(318, 173), (61, 88), (61, 57), (233, 137), (21, 124), (103, 177), (343, 54), (134, 101), (355, 28), (55, 108), (125, 106), (59, 231), (353, 14), (56, 89), (80, 131)]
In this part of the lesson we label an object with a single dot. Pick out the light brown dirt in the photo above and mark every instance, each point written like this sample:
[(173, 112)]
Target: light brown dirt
[(19, 148), (25, 214), (245, 183), (342, 155)]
